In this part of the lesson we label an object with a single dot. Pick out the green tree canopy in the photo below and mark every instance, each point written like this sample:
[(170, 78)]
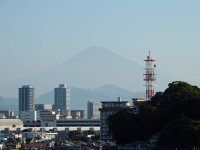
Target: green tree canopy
[(180, 90), (174, 113)]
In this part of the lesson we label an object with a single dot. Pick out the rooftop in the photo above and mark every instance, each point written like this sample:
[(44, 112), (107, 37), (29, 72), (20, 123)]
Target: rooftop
[(26, 86), (8, 122)]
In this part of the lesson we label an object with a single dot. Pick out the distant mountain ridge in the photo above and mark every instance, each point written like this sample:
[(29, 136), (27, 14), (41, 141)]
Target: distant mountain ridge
[(91, 68), (79, 97), (9, 104), (112, 90)]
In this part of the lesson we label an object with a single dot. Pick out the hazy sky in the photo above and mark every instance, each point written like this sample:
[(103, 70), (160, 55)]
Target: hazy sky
[(36, 35)]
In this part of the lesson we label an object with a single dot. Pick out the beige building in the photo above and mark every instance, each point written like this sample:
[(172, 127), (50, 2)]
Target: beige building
[(11, 123), (49, 115)]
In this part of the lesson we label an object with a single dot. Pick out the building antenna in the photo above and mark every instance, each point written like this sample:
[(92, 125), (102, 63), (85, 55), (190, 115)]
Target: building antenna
[(149, 54)]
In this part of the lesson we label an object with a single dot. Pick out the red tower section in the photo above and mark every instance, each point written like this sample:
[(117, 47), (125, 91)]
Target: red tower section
[(149, 77)]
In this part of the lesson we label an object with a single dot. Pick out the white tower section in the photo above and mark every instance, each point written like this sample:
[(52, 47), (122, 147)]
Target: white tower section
[(150, 77)]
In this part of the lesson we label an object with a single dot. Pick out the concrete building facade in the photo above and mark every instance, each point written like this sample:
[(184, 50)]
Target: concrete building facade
[(49, 115), (81, 114), (28, 116), (43, 106), (93, 110), (75, 114), (62, 99), (26, 98), (40, 107), (10, 123), (109, 108)]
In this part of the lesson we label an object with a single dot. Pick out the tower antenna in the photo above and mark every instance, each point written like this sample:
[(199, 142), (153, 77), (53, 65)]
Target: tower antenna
[(149, 76), (149, 54)]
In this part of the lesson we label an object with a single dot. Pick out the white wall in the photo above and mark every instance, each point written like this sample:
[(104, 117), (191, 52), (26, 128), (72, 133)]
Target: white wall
[(28, 116)]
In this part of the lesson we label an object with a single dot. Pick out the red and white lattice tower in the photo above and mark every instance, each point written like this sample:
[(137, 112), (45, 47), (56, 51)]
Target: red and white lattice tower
[(150, 76)]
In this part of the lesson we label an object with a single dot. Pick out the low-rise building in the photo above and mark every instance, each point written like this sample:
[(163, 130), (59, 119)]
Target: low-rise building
[(49, 115), (109, 108), (40, 107), (75, 114), (10, 123), (28, 116), (137, 102), (43, 106)]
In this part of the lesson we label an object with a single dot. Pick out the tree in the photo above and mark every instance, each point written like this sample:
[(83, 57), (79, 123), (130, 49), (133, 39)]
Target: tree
[(175, 114), (120, 126), (182, 133), (180, 90)]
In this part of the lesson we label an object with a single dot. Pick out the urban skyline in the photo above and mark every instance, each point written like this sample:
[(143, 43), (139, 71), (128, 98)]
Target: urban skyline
[(99, 74)]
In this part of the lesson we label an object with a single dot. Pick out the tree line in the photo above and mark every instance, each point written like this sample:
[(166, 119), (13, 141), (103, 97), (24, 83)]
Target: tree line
[(173, 114)]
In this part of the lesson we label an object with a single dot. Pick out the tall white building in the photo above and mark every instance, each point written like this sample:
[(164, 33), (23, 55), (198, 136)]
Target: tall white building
[(93, 110), (109, 108), (62, 99)]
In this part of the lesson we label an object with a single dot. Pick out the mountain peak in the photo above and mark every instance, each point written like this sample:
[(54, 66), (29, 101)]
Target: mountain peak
[(95, 51)]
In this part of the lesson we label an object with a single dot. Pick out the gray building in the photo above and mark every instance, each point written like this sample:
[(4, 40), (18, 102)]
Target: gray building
[(109, 108), (81, 114), (40, 107), (43, 106), (26, 98), (62, 99), (93, 110)]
